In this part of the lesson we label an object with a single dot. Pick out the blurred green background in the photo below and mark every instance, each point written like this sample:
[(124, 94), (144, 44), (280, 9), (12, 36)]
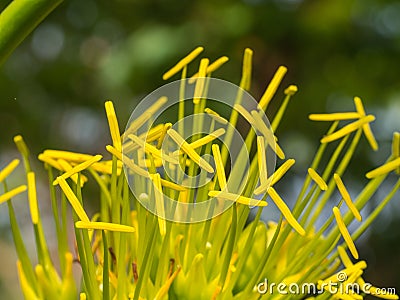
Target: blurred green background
[(53, 87)]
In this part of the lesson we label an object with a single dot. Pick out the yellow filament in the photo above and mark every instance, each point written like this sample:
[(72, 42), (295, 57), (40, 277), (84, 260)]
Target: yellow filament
[(104, 226), (182, 63), (262, 160), (346, 196), (214, 115), (347, 129), (10, 194), (113, 124), (68, 156), (20, 143), (245, 82), (219, 165), (32, 197), (384, 169), (345, 233), (190, 151), (237, 198), (200, 83), (78, 168), (159, 203), (73, 200), (318, 179), (285, 211), (334, 116), (366, 128), (211, 68), (272, 87), (7, 170)]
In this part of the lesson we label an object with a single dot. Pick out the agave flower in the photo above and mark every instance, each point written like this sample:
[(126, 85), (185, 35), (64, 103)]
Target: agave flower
[(175, 201)]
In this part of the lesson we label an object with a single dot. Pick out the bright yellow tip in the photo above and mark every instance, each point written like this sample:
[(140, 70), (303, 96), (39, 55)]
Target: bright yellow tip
[(366, 128), (104, 226), (384, 169), (211, 68), (50, 161), (278, 174), (66, 166), (79, 168), (347, 129), (33, 205), (237, 198), (245, 114), (82, 296), (113, 124), (219, 165), (272, 87), (182, 63), (245, 82), (67, 155), (73, 200), (190, 151), (344, 257), (285, 211), (291, 90), (214, 115), (10, 194), (159, 197), (262, 160), (20, 143), (346, 196), (200, 82), (208, 138), (318, 179), (7, 170), (334, 116), (345, 233)]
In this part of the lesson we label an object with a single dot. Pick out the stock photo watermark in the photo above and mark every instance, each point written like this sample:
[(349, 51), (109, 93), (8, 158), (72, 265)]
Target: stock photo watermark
[(338, 286)]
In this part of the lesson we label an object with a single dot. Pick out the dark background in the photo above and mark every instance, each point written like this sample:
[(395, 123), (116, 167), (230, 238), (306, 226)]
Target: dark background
[(53, 88)]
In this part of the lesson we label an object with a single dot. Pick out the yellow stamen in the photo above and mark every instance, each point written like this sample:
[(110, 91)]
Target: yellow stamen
[(50, 161), (7, 170), (262, 160), (237, 198), (104, 226), (211, 68), (346, 196), (159, 197), (245, 114), (344, 257), (285, 211), (33, 205), (67, 155), (334, 116), (267, 133), (106, 167), (134, 167), (204, 140), (347, 129), (113, 124), (345, 233), (147, 163), (78, 168), (278, 174), (396, 147), (170, 184), (20, 143), (318, 179), (245, 82), (82, 296), (67, 167), (366, 128), (183, 196), (157, 105), (219, 166), (190, 151), (384, 169), (200, 83), (152, 149), (166, 127), (216, 116), (136, 124), (291, 90), (182, 63), (272, 87), (10, 194), (73, 200), (27, 290)]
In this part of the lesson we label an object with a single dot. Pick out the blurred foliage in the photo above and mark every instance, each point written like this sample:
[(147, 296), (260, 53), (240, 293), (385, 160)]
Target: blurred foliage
[(54, 85)]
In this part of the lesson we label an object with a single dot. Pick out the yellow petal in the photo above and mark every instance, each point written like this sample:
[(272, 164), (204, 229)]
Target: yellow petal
[(7, 170), (285, 211), (346, 196), (182, 63), (345, 233), (318, 179)]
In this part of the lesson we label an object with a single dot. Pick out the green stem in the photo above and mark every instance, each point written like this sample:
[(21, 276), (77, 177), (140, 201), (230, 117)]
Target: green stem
[(19, 19)]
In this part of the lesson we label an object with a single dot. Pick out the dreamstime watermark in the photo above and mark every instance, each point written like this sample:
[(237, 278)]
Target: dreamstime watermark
[(340, 286)]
